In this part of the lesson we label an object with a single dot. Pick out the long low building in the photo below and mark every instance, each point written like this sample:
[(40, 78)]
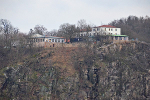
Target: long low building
[(44, 40), (119, 38)]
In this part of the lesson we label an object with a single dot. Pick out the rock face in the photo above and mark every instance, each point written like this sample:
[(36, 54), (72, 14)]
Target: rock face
[(127, 71), (116, 71)]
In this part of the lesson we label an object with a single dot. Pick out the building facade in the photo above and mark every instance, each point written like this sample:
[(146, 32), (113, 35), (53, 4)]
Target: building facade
[(106, 30), (43, 40), (102, 30), (114, 33)]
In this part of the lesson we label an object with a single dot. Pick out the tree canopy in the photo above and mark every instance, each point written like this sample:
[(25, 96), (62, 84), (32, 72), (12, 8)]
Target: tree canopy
[(134, 27)]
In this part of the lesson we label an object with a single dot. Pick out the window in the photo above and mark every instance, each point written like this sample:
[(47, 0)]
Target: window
[(90, 34), (116, 38), (124, 38), (120, 38), (58, 40), (93, 29), (52, 40), (49, 40), (116, 29), (62, 41), (111, 29), (43, 40), (55, 40)]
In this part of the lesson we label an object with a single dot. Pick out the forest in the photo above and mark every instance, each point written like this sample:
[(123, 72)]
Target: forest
[(94, 71), (134, 27)]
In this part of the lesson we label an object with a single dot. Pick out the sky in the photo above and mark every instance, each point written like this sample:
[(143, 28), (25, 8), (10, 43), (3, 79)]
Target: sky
[(26, 14)]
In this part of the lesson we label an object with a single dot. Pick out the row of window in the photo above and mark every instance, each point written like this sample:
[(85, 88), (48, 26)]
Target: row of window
[(111, 29), (38, 40), (121, 38), (48, 40), (96, 34), (86, 34), (112, 33), (105, 29), (89, 34), (55, 40)]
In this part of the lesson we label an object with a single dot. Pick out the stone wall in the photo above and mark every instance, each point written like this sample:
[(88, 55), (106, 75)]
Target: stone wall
[(53, 45)]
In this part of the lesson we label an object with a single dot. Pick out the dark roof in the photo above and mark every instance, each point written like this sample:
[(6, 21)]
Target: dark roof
[(109, 26)]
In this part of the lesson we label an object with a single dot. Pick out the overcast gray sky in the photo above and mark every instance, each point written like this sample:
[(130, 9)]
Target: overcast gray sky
[(25, 14)]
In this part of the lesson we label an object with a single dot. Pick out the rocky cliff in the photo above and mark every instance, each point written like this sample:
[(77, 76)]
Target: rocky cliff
[(116, 71)]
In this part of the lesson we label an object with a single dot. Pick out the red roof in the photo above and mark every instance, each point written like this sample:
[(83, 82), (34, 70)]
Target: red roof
[(107, 26)]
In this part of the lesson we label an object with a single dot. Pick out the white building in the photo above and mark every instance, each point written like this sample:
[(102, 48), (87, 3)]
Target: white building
[(106, 30), (46, 41), (102, 30), (44, 38)]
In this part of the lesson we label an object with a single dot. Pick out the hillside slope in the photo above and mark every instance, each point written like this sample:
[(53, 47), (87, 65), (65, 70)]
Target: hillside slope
[(117, 71)]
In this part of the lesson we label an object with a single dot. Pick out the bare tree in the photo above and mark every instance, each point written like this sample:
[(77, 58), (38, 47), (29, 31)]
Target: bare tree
[(82, 24), (67, 30), (40, 29), (7, 30), (54, 32)]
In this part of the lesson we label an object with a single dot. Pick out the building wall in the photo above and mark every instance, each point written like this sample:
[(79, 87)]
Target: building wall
[(113, 31), (47, 44), (120, 39), (53, 45), (83, 33), (102, 31), (106, 31), (47, 41), (60, 40), (38, 44)]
